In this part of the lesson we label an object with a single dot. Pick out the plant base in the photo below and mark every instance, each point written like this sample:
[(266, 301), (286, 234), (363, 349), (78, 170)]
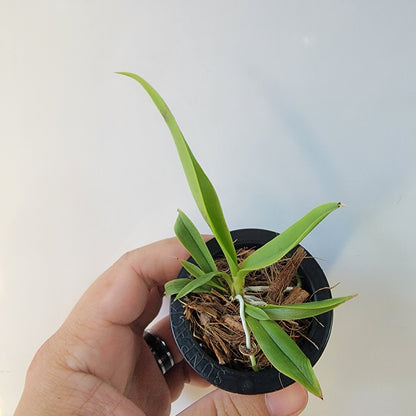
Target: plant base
[(215, 319), (246, 381)]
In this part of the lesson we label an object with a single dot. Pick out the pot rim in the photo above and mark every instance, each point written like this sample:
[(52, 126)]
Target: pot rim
[(248, 381)]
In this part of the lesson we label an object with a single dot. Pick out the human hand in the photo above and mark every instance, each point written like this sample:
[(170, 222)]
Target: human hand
[(98, 363)]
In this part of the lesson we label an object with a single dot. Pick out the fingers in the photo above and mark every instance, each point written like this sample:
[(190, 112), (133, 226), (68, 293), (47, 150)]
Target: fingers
[(152, 308), (162, 329), (181, 373), (294, 401), (287, 402), (120, 295)]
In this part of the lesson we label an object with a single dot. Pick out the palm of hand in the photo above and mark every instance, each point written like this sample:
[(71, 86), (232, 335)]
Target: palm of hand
[(117, 368), (98, 363), (113, 366)]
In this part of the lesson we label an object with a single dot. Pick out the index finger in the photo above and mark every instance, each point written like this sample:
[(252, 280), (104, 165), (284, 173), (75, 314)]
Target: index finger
[(120, 294)]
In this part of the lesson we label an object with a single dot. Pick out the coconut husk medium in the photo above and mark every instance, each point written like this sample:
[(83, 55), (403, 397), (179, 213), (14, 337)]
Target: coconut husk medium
[(216, 322)]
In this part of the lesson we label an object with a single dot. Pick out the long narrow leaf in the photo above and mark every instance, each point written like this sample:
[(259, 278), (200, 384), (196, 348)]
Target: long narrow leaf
[(256, 312), (195, 284), (192, 269), (284, 354), (275, 249), (191, 239), (303, 310), (202, 190), (175, 286), (197, 273)]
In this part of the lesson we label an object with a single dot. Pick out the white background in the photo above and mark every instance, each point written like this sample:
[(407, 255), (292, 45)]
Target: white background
[(285, 104)]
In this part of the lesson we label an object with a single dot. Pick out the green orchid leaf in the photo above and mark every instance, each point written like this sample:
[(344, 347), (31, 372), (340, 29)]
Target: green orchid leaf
[(197, 273), (192, 269), (194, 284), (275, 249), (190, 238), (175, 286), (256, 312), (302, 310), (216, 283), (284, 354), (202, 190)]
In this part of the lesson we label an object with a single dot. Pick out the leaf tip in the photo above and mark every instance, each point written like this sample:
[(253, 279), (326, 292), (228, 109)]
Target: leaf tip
[(317, 391), (341, 205)]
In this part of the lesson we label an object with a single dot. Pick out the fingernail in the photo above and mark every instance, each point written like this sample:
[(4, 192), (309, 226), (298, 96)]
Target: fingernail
[(287, 402)]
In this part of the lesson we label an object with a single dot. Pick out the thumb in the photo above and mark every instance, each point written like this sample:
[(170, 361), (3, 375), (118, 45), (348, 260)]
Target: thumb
[(287, 402)]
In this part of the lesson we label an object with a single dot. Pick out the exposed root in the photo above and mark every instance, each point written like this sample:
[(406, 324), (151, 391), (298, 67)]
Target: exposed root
[(215, 318)]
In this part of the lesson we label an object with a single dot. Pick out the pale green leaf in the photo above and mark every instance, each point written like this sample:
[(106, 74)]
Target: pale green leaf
[(194, 284), (202, 190), (256, 312), (175, 286), (302, 310), (197, 273), (275, 249), (191, 239), (284, 354), (192, 269)]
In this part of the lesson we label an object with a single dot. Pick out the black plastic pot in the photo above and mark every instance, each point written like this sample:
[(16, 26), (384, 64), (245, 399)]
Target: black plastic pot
[(248, 381)]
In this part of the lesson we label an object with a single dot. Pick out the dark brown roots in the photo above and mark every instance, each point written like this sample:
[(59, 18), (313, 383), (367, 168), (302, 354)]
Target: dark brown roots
[(216, 322)]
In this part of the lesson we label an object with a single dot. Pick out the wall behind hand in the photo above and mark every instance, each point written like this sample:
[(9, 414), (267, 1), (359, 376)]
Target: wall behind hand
[(285, 104)]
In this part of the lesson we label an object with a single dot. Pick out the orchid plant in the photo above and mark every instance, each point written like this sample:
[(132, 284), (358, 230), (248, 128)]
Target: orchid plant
[(258, 319)]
